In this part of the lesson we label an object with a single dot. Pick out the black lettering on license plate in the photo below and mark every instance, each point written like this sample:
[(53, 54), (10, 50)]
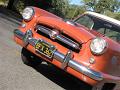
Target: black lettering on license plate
[(45, 48)]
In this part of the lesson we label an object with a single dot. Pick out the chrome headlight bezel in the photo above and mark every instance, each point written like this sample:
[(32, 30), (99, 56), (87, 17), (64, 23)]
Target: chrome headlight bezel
[(98, 46), (28, 13)]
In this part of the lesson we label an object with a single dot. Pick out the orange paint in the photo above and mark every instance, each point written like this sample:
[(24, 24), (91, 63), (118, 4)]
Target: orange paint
[(102, 62)]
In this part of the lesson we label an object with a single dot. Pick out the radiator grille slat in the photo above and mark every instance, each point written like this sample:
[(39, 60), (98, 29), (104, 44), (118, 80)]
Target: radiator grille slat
[(58, 37)]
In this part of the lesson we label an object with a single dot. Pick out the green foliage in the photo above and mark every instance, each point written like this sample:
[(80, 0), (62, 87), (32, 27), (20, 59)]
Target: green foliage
[(101, 6), (115, 15), (108, 7), (20, 5), (54, 6), (73, 11), (63, 9), (58, 7), (4, 1), (89, 4)]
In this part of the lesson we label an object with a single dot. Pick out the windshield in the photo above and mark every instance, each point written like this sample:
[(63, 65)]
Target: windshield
[(108, 29)]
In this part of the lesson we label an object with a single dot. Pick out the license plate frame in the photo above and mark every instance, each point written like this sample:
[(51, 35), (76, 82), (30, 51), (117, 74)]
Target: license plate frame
[(45, 48)]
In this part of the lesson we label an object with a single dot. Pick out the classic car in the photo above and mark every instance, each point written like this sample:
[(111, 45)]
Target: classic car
[(87, 47)]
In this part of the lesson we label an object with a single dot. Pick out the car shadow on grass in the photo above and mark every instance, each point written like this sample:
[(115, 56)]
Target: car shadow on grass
[(61, 78)]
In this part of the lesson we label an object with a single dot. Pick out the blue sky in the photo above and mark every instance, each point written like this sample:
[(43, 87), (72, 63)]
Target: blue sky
[(77, 2)]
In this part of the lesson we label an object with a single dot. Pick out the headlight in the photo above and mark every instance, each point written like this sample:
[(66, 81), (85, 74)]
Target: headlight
[(28, 13), (98, 45)]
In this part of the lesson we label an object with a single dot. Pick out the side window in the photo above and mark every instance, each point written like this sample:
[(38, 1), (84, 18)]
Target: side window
[(110, 31), (86, 21), (115, 35), (102, 30)]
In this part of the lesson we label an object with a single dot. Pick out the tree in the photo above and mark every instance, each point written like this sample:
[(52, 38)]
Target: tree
[(115, 6), (10, 4), (73, 11), (115, 15), (55, 6), (101, 6), (58, 7), (89, 4)]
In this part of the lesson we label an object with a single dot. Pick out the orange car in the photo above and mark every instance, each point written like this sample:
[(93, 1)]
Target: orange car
[(87, 47)]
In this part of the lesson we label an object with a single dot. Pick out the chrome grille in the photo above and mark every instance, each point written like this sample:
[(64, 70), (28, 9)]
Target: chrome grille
[(48, 32)]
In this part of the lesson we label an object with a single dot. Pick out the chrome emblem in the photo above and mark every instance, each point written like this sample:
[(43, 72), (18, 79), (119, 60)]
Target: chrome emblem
[(54, 34)]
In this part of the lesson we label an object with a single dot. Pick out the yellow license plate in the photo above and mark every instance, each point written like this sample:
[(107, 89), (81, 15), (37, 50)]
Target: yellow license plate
[(45, 48)]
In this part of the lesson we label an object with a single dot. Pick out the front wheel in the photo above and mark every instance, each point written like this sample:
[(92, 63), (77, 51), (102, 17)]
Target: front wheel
[(29, 58)]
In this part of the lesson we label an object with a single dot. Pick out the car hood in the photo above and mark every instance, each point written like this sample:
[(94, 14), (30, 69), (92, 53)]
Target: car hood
[(80, 34)]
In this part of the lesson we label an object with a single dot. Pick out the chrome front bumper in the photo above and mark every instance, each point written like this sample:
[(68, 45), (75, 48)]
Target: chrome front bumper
[(66, 60)]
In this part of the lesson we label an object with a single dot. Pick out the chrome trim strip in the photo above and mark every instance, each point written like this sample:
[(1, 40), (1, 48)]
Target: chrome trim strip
[(70, 62), (84, 70), (43, 29), (67, 41), (18, 34), (59, 56), (61, 38)]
